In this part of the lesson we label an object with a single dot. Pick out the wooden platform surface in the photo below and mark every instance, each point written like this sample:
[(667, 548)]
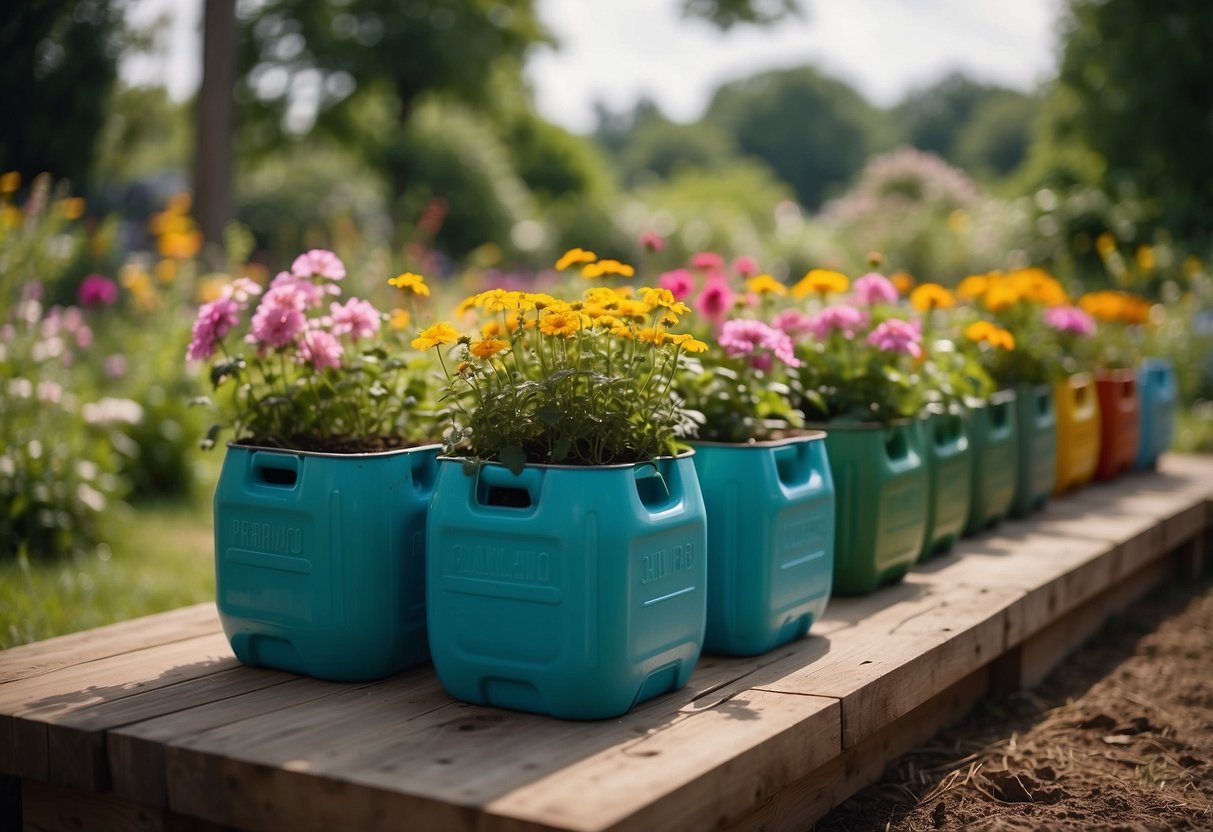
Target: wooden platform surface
[(153, 724)]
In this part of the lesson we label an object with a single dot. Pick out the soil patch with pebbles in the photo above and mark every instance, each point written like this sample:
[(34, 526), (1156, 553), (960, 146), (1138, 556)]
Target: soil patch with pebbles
[(1119, 737)]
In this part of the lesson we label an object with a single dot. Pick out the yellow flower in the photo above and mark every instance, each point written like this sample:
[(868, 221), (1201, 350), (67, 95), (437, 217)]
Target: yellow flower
[(574, 256), (210, 287), (649, 335), (10, 216), (499, 300), (930, 296), (995, 336), (166, 270), (902, 281), (180, 244), (435, 336), (632, 308), (665, 299), (689, 343), (10, 182), (487, 347), (607, 267), (71, 208), (669, 319), (399, 319), (1000, 296), (180, 202), (973, 286), (538, 300), (821, 281), (1038, 286), (1104, 306), (763, 284), (467, 305), (1145, 258), (562, 323), (1105, 244), (1136, 310), (413, 282)]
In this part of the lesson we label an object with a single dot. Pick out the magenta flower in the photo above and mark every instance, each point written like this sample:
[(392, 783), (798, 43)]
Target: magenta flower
[(96, 290), (873, 289), (743, 337), (318, 262), (745, 266), (288, 290), (358, 318), (652, 241), (896, 335), (1070, 319), (838, 318), (274, 324), (320, 349), (679, 282), (715, 301), (214, 321), (792, 321), (707, 260)]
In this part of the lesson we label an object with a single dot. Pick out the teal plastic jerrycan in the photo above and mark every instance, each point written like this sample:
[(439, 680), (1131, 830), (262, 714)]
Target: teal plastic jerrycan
[(320, 559), (1156, 387), (770, 509), (570, 591)]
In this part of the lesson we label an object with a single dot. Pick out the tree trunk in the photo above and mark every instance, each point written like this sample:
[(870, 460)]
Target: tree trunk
[(215, 120)]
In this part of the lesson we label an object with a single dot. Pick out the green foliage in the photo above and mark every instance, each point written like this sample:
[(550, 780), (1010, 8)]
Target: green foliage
[(145, 133), (659, 147), (728, 13), (814, 131), (59, 51), (994, 140), (1137, 74)]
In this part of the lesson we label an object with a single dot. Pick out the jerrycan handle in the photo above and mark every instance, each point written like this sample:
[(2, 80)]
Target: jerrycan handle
[(499, 488), (793, 463), (1080, 391), (895, 445), (946, 430), (1129, 389), (658, 484), (275, 470), (1000, 414), (423, 470), (1044, 405)]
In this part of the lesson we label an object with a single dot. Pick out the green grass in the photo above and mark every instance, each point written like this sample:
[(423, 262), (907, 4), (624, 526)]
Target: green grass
[(157, 557), (1194, 429)]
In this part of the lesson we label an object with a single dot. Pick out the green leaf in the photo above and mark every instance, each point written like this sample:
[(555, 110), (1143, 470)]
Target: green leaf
[(513, 458), (560, 451)]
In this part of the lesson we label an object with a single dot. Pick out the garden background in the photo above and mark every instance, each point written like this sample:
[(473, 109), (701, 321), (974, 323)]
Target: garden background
[(407, 137)]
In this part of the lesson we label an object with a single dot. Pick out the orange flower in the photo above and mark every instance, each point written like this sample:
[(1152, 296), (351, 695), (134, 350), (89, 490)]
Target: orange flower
[(930, 296), (821, 281), (903, 282), (487, 347)]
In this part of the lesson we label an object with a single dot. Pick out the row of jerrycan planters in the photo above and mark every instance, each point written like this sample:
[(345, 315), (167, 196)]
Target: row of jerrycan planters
[(572, 591), (579, 592)]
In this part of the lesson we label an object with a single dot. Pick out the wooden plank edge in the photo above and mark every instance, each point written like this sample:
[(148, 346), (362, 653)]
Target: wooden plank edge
[(800, 804)]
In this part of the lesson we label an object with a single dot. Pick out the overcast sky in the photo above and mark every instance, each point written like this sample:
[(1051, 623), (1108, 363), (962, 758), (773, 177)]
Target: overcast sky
[(619, 50)]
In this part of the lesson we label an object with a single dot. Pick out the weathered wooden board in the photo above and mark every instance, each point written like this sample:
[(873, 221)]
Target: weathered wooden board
[(103, 642), (160, 709)]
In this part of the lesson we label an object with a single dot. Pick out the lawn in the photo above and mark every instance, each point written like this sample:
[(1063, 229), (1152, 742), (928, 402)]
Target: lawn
[(156, 557)]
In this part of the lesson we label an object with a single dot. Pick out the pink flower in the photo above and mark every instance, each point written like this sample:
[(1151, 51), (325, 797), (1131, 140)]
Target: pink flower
[(320, 349), (679, 282), (318, 262), (84, 337), (115, 365), (874, 288), (288, 290), (1070, 319), (838, 318), (707, 260), (96, 290), (745, 266), (896, 335), (214, 321), (357, 317), (242, 288), (715, 301), (274, 324), (742, 337), (652, 241), (792, 321)]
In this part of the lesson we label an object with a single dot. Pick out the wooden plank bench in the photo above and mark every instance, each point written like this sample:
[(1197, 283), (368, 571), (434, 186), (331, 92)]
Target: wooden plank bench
[(153, 725)]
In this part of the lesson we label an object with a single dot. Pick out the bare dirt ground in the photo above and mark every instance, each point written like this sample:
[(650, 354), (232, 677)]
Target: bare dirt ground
[(1120, 737)]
